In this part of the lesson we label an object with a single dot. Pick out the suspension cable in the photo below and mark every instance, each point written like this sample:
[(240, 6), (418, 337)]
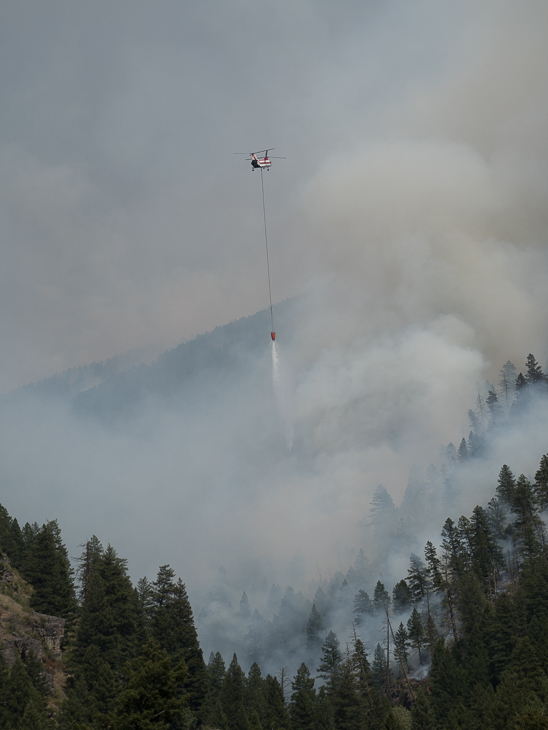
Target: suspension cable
[(267, 261)]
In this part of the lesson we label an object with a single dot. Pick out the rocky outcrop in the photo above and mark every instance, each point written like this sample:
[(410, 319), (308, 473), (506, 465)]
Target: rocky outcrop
[(7, 576), (23, 631)]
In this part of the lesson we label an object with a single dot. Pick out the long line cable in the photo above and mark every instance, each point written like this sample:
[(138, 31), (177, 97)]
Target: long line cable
[(267, 261)]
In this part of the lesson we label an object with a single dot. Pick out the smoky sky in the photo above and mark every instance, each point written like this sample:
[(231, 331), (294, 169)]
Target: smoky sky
[(125, 217), (410, 210)]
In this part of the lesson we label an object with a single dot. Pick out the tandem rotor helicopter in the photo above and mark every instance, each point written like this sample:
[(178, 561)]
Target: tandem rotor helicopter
[(262, 163)]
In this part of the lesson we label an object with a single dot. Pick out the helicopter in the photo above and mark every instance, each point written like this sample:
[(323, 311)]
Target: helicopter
[(262, 163)]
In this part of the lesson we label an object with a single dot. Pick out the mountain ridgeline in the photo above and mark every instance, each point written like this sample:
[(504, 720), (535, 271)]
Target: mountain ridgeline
[(211, 362), (459, 640)]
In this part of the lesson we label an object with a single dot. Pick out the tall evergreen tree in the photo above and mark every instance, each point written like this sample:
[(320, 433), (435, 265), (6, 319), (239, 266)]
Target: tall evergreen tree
[(302, 706), (541, 484), (362, 606), (417, 579), (172, 627), (415, 632), (528, 527), (47, 568), (314, 629), (507, 383), (232, 698), (401, 597), (381, 598), (153, 696), (506, 485), (401, 640), (331, 658)]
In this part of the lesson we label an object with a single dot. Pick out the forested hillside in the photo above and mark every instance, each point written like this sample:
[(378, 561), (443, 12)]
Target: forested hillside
[(460, 640)]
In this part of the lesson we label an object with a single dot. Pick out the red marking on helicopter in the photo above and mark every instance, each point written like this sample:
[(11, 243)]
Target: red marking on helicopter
[(261, 163)]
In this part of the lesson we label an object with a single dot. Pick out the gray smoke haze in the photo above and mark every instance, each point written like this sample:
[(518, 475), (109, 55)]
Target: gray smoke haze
[(411, 209)]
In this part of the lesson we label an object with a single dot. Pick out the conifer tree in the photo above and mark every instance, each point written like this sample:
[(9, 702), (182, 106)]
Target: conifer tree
[(362, 606), (528, 527), (232, 698), (244, 611), (302, 706), (463, 450), (422, 715), (507, 383), (534, 371), (417, 579), (87, 564), (381, 598), (153, 696), (486, 555), (378, 667), (172, 627), (401, 597), (541, 484), (276, 713), (382, 507), (345, 698), (47, 568), (415, 632), (314, 628), (324, 714), (255, 703), (331, 658), (212, 710), (19, 692), (506, 486), (402, 643)]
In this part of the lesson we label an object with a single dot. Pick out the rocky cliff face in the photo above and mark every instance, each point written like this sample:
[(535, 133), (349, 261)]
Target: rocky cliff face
[(22, 631)]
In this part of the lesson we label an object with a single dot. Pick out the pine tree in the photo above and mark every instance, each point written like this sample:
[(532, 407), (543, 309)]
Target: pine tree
[(401, 597), (345, 699), (422, 715), (417, 579), (255, 703), (381, 598), (47, 568), (402, 642), (362, 606), (463, 450), (507, 383), (534, 371), (506, 485), (495, 411), (153, 695), (302, 706), (331, 658), (382, 507), (447, 682), (528, 527), (87, 564), (19, 692), (378, 668), (212, 710), (541, 484), (244, 611), (276, 713), (487, 559), (232, 697), (172, 627), (415, 632), (314, 628), (11, 539)]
